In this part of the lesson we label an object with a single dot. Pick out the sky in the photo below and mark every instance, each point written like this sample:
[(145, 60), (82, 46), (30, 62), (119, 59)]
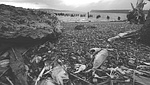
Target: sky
[(75, 5)]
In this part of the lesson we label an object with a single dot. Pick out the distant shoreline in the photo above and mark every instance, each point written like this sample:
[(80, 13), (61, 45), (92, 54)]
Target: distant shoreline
[(113, 11)]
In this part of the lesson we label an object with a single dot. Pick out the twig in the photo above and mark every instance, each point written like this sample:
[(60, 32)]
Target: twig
[(117, 54), (15, 54), (40, 75), (1, 83), (25, 51), (4, 72), (9, 80), (81, 79), (42, 72), (133, 77), (30, 76), (54, 60)]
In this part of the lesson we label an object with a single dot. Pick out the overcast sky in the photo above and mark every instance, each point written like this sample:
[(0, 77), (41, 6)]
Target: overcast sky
[(77, 5)]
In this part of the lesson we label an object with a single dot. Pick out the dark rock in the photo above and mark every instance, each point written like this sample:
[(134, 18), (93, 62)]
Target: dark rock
[(26, 25), (80, 27)]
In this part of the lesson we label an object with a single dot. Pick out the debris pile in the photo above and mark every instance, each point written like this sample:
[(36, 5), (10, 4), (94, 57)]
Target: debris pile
[(136, 15), (122, 62), (82, 57), (144, 32), (21, 30)]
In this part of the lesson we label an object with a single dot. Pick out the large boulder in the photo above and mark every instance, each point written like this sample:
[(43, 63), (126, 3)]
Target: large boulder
[(21, 25)]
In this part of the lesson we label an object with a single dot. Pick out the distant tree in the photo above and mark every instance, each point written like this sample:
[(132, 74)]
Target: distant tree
[(55, 14), (108, 17), (61, 14), (98, 16), (119, 18), (82, 15), (72, 15), (88, 14)]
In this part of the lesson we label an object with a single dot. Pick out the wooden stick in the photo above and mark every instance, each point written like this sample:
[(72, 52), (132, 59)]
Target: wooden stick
[(4, 72), (81, 79), (25, 51), (15, 54), (9, 80), (40, 75)]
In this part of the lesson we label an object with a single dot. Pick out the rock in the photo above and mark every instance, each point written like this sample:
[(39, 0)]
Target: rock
[(92, 27), (80, 27), (25, 25)]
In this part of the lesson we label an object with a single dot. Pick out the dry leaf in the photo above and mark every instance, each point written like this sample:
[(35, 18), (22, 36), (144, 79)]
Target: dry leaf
[(59, 74)]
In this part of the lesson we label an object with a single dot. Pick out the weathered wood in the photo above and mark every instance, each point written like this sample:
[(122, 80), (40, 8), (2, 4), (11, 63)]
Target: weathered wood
[(137, 15)]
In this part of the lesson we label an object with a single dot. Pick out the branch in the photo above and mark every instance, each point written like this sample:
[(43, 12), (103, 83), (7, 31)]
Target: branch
[(81, 79)]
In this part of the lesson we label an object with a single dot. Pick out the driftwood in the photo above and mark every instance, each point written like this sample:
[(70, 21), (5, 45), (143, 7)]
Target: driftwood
[(143, 34), (136, 15), (127, 34), (145, 31)]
